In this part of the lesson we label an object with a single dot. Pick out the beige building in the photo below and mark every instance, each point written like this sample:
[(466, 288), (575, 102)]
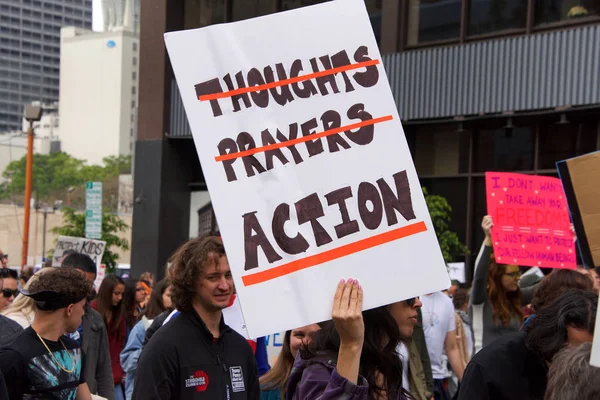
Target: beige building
[(98, 92), (11, 234)]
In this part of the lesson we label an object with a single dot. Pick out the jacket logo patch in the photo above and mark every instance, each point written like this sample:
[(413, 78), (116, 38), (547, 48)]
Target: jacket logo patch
[(237, 379), (199, 381)]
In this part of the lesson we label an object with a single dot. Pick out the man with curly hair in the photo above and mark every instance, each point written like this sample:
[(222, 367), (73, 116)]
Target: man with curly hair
[(196, 355), (42, 362)]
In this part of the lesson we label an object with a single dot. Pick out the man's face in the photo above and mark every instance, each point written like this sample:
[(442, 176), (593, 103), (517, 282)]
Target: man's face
[(9, 287), (74, 314), (405, 313), (215, 286), (3, 259), (89, 276)]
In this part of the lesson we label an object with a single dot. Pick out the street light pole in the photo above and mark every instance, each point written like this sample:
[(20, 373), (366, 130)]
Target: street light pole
[(32, 114)]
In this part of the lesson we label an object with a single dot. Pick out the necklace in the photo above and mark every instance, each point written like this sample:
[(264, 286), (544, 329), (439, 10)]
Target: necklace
[(55, 360)]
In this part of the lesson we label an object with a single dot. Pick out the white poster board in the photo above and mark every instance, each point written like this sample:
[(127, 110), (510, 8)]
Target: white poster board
[(595, 359), (456, 271), (310, 175), (67, 244)]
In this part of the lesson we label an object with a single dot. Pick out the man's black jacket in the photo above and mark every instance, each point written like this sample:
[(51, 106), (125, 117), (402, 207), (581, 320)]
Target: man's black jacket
[(184, 361)]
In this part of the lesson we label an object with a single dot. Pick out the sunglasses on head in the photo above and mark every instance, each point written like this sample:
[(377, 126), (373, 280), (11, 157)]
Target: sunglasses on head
[(3, 256), (9, 292), (411, 302)]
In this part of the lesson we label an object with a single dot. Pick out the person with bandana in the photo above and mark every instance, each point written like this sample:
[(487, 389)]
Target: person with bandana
[(42, 362)]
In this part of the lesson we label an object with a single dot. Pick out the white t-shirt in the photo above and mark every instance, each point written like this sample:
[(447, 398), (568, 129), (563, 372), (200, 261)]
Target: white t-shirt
[(403, 353), (438, 320)]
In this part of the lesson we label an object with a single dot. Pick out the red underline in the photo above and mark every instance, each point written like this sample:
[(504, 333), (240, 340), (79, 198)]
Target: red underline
[(257, 88), (329, 255), (303, 139)]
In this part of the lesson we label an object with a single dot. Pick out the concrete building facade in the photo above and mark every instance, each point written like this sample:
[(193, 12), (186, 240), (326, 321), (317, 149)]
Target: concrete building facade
[(98, 93), (30, 52)]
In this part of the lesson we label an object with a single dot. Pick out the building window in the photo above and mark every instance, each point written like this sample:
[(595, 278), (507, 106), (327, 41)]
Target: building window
[(565, 137), (134, 46), (134, 75), (244, 9), (290, 4), (199, 13), (440, 150), (134, 60), (501, 146), (431, 20), (487, 16), (560, 10), (133, 91)]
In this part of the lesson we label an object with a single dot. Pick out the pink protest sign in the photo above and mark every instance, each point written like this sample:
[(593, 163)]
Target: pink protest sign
[(531, 221)]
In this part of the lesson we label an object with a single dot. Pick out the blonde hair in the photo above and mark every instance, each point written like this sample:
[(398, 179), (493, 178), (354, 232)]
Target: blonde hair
[(23, 304)]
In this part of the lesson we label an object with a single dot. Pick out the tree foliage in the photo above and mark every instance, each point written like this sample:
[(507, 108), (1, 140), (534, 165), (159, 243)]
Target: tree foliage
[(74, 225), (57, 172), (441, 216)]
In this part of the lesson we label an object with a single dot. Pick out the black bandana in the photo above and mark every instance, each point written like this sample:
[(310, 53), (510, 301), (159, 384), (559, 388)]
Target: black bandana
[(48, 300)]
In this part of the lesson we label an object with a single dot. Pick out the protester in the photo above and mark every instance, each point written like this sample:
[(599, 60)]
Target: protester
[(439, 325), (42, 362), (148, 277), (464, 327), (109, 303), (133, 297), (3, 259), (496, 298), (571, 377), (22, 308), (26, 274), (274, 382), (414, 380), (160, 301), (92, 334), (9, 329), (10, 283), (516, 366), (352, 357), (197, 345)]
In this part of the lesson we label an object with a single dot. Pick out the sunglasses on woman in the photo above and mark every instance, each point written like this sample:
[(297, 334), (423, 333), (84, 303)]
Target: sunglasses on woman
[(9, 292), (411, 302)]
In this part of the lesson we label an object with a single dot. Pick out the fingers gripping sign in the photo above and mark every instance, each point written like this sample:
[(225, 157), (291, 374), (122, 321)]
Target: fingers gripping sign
[(347, 312)]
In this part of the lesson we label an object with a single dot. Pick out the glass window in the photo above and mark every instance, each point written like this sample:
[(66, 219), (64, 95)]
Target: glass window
[(569, 137), (486, 16), (199, 13), (500, 147), (430, 20), (244, 9), (441, 150), (374, 9), (560, 10), (289, 4)]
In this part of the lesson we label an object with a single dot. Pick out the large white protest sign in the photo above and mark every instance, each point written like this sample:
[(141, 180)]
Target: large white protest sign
[(308, 169), (67, 244)]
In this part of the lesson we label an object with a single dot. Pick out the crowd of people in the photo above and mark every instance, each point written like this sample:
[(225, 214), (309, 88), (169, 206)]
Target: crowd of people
[(504, 337)]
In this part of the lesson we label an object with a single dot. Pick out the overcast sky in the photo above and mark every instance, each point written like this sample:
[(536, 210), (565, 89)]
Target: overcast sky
[(97, 16)]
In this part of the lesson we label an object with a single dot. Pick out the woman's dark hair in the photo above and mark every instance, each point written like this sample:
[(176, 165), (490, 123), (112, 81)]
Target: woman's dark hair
[(460, 298), (155, 305), (504, 304), (547, 333), (378, 356), (187, 264), (276, 378), (27, 274), (112, 315), (558, 282), (129, 303)]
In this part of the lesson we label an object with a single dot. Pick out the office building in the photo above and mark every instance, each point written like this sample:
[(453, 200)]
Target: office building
[(480, 85), (30, 52), (98, 93)]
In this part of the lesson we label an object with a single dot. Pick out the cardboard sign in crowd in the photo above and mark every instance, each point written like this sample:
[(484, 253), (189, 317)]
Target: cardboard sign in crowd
[(306, 162), (67, 244), (531, 221)]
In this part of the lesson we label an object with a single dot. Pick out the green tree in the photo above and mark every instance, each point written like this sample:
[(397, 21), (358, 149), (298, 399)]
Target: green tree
[(74, 225), (115, 166), (441, 215)]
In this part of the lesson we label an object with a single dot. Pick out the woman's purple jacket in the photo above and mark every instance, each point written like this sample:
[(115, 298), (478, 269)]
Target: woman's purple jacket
[(318, 379)]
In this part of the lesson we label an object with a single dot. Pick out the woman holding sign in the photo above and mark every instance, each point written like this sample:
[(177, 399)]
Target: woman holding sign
[(352, 358), (496, 297)]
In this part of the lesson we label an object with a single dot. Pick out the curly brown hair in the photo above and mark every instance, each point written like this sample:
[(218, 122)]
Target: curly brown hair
[(66, 281), (556, 283), (187, 264), (504, 304)]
